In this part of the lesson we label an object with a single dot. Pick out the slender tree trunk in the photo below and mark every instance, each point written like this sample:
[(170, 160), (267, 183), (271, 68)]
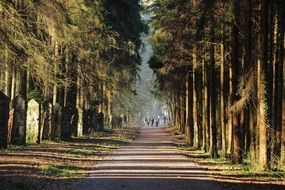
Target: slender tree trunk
[(13, 83), (277, 116), (282, 149), (6, 73), (55, 89), (229, 115), (270, 80), (189, 91), (200, 108), (195, 102), (182, 109), (213, 123), (109, 110), (206, 143), (187, 131), (105, 104), (236, 155), (262, 89), (247, 68), (282, 94), (223, 95)]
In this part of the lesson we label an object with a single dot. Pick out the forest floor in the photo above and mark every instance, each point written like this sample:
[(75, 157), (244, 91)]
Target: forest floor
[(57, 165), (156, 160)]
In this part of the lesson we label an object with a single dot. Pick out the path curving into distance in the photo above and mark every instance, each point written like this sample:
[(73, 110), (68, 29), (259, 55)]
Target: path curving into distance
[(153, 162)]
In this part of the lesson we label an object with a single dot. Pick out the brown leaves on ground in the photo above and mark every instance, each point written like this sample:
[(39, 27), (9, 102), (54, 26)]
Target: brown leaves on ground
[(221, 169), (56, 165)]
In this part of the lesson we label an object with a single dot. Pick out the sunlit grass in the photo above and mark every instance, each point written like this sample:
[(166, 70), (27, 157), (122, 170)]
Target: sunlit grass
[(215, 160), (82, 151), (65, 170)]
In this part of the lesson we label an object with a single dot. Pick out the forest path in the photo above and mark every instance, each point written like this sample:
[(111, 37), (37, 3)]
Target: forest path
[(153, 162)]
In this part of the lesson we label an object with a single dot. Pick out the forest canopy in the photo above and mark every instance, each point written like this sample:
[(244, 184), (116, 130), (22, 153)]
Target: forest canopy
[(71, 46)]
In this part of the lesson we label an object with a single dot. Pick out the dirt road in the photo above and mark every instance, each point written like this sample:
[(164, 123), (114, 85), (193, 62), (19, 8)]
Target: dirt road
[(153, 162)]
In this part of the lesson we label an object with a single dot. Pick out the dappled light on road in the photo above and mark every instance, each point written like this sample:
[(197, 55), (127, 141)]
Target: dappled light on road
[(154, 161)]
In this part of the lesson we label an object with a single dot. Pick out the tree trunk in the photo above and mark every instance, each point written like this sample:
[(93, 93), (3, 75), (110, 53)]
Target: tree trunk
[(282, 94), (195, 102), (206, 143), (182, 109), (277, 116), (223, 95), (212, 86), (110, 103), (236, 152), (189, 104), (55, 89), (262, 89), (4, 108)]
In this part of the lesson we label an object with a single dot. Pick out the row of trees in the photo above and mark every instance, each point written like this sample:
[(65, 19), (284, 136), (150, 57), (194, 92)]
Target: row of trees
[(77, 53), (219, 67)]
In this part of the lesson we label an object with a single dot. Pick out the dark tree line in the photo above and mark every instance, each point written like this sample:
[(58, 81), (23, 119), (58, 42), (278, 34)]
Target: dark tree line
[(220, 69), (77, 54)]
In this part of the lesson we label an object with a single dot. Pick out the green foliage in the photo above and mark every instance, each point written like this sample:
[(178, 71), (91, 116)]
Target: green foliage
[(178, 27), (98, 40), (34, 94)]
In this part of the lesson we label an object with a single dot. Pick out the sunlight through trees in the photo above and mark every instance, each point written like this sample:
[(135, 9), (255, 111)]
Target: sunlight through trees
[(220, 65)]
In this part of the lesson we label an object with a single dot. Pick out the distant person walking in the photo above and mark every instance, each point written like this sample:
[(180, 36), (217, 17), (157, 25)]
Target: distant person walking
[(164, 120), (157, 122), (146, 121), (125, 119), (152, 121)]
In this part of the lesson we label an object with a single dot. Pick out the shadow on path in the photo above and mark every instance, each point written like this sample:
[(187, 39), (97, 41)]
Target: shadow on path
[(153, 162)]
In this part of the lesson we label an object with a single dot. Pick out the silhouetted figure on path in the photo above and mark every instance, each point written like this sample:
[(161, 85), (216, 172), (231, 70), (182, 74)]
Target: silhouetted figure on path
[(164, 120), (157, 122), (152, 121), (126, 120), (146, 121)]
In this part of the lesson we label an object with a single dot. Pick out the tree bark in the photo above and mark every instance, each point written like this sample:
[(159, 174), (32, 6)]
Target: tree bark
[(262, 89), (223, 95), (277, 116), (189, 91), (195, 102), (213, 123), (235, 67), (206, 143), (282, 94)]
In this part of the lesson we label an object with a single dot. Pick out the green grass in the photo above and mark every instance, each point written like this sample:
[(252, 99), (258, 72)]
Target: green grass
[(96, 148), (82, 152), (2, 151), (115, 142), (216, 160), (104, 145), (252, 169), (111, 143), (61, 170)]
